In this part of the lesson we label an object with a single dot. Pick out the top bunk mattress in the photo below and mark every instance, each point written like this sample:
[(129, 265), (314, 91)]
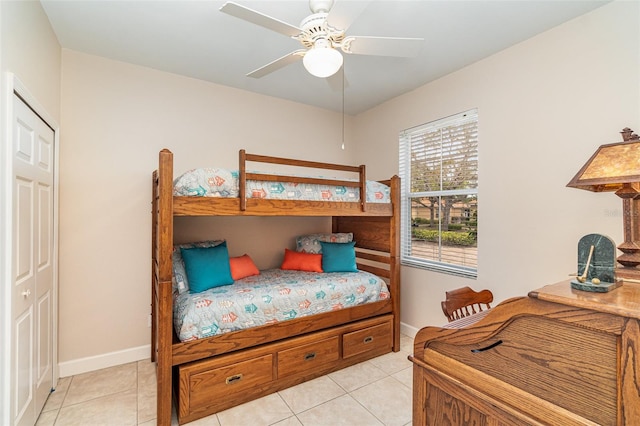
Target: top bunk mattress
[(214, 182)]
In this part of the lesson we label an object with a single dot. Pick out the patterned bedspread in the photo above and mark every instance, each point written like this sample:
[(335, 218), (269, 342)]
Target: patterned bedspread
[(274, 295), (210, 182)]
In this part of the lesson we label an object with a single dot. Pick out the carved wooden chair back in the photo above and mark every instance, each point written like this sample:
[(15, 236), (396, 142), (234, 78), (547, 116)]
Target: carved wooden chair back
[(464, 301)]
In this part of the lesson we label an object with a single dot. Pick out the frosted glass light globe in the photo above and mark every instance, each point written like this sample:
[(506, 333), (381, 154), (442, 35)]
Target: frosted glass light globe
[(322, 61)]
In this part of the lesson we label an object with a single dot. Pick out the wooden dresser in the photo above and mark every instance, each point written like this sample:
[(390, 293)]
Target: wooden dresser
[(558, 357)]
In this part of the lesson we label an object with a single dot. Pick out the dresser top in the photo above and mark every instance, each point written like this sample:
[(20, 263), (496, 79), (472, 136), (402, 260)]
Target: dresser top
[(623, 301)]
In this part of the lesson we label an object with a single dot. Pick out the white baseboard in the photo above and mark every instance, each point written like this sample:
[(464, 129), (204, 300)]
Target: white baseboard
[(92, 363), (98, 362), (408, 330)]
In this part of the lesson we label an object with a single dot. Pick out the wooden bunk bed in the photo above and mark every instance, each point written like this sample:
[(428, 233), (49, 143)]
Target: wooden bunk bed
[(211, 374)]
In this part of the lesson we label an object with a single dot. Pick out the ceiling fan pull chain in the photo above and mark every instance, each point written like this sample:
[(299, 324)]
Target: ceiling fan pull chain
[(343, 107)]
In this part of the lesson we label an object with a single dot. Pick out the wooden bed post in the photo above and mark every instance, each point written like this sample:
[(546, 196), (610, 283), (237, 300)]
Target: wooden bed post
[(242, 180), (394, 236), (162, 292), (154, 260), (363, 188)]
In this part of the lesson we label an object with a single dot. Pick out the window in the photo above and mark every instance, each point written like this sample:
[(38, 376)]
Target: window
[(439, 171)]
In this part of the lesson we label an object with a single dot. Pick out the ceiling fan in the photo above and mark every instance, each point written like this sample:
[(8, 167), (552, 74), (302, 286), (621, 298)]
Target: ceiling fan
[(321, 41)]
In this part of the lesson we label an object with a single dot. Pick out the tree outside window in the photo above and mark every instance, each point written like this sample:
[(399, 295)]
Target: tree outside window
[(439, 168)]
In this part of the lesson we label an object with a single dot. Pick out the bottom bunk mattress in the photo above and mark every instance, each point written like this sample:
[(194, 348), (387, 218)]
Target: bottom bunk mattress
[(274, 295)]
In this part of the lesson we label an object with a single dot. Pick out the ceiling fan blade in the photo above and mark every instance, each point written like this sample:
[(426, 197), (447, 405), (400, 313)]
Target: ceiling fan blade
[(382, 46), (278, 63), (261, 19), (344, 13)]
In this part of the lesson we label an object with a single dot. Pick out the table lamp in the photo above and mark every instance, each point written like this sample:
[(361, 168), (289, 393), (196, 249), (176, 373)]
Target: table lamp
[(616, 167)]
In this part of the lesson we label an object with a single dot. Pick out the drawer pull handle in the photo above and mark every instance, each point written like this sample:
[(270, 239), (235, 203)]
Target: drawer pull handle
[(309, 356), (234, 379), (491, 346), (368, 339)]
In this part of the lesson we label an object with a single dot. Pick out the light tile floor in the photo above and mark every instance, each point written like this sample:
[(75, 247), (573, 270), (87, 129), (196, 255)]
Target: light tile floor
[(375, 392)]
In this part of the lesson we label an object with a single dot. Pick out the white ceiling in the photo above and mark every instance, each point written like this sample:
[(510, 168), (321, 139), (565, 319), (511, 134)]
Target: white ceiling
[(195, 39)]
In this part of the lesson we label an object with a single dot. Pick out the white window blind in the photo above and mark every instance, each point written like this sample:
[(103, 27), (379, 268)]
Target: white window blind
[(439, 170)]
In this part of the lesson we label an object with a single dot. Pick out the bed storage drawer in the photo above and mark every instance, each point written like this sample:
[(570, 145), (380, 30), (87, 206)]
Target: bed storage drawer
[(368, 339), (205, 384), (308, 357), (220, 382)]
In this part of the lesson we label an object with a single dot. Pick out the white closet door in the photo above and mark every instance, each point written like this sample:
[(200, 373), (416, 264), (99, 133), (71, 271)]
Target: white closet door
[(33, 269)]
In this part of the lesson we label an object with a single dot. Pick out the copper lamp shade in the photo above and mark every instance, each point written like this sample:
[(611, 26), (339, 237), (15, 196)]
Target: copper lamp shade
[(616, 168)]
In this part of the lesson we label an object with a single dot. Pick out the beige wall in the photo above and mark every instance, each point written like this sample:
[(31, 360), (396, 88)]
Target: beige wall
[(115, 119), (544, 105), (29, 50)]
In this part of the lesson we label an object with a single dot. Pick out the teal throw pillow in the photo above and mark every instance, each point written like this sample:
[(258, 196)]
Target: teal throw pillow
[(339, 257), (207, 267)]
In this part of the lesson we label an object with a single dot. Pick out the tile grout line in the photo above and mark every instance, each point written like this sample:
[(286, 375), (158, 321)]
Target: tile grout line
[(285, 403), (347, 393), (66, 391), (386, 374), (365, 408)]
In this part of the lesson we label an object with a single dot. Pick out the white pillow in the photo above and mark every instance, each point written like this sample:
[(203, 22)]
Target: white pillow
[(311, 243)]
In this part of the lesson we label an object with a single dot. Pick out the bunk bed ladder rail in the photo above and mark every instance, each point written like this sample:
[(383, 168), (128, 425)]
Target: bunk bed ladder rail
[(161, 291), (378, 248), (244, 176)]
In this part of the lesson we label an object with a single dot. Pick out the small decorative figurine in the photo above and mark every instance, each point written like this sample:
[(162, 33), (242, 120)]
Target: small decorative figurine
[(596, 264)]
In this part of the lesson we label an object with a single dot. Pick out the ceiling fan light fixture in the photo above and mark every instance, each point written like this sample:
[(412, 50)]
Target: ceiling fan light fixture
[(321, 40), (322, 61)]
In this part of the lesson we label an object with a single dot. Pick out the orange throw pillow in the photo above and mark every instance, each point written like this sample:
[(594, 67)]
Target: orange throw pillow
[(299, 261), (242, 267)]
